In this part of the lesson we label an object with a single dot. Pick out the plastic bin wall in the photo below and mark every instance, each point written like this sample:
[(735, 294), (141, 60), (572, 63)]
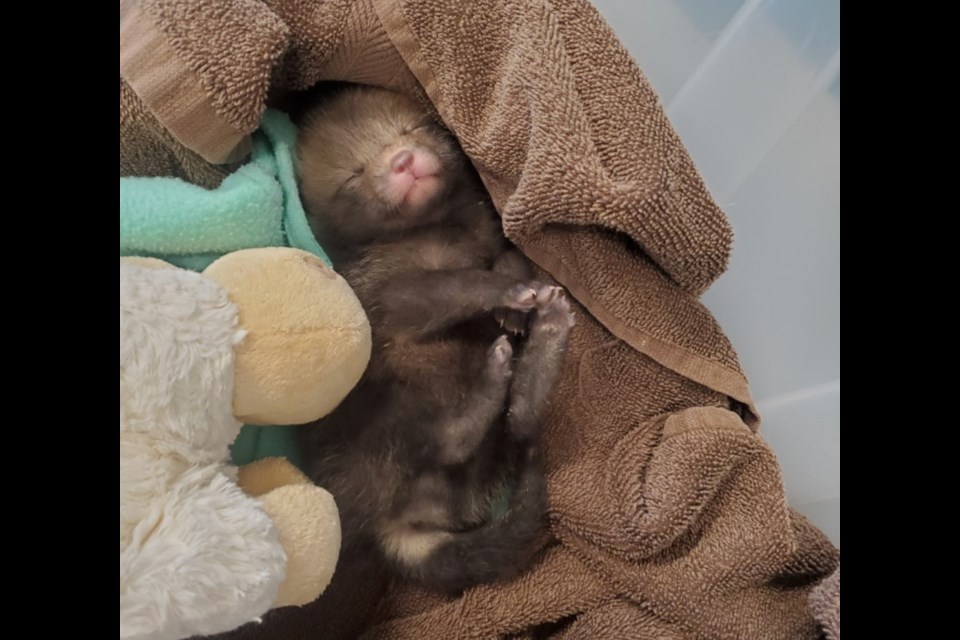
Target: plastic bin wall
[(753, 88)]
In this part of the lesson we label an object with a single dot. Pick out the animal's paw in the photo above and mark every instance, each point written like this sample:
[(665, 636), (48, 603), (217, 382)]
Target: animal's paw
[(499, 360), (556, 316), (547, 295), (521, 297)]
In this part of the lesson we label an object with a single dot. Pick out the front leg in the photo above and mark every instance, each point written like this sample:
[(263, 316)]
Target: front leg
[(459, 435), (539, 365), (426, 302), (512, 263)]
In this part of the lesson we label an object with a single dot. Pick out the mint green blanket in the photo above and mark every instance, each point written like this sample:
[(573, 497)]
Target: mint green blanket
[(256, 206)]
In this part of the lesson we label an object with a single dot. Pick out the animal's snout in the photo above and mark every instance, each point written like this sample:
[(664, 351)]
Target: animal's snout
[(402, 161)]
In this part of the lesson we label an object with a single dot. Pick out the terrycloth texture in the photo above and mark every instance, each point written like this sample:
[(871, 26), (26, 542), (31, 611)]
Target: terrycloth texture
[(825, 604), (667, 511), (147, 149), (256, 206)]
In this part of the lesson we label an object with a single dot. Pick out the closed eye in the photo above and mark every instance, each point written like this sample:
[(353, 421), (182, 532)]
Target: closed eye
[(410, 130), (351, 179)]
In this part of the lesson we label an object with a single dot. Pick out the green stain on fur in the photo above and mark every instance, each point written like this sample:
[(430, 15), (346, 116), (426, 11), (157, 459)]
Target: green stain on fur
[(500, 501)]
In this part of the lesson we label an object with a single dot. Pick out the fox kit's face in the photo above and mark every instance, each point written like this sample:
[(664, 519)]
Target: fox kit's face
[(372, 161)]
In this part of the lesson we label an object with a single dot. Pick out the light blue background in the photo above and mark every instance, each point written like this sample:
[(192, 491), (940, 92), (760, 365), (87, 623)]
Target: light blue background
[(753, 88)]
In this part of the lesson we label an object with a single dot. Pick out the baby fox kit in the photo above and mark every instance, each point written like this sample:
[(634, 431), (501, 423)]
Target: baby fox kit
[(445, 423)]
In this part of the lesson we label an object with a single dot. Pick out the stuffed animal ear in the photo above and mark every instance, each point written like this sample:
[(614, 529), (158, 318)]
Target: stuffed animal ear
[(263, 476), (308, 526), (307, 523)]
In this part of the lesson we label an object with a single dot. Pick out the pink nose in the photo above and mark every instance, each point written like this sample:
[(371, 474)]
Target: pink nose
[(402, 161)]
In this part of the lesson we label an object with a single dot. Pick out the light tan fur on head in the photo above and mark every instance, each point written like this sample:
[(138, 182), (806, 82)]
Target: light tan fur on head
[(344, 151)]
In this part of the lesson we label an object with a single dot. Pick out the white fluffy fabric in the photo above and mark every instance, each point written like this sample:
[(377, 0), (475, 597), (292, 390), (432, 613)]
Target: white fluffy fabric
[(197, 556)]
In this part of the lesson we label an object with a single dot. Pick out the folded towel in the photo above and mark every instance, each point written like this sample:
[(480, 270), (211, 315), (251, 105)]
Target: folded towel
[(667, 512)]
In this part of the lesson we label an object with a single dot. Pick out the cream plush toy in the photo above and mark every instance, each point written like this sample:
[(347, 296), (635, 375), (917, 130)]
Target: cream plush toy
[(268, 336)]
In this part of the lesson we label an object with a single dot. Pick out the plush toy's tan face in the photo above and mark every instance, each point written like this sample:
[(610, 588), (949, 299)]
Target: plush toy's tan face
[(307, 341), (372, 161)]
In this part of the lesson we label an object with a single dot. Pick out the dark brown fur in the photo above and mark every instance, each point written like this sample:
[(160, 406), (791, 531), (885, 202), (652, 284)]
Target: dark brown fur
[(446, 419)]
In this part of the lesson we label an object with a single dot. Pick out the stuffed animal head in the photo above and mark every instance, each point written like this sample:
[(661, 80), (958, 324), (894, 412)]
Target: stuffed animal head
[(307, 337), (304, 342)]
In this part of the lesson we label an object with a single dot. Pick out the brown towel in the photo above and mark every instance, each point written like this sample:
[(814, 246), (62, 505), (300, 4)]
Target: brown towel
[(668, 518)]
